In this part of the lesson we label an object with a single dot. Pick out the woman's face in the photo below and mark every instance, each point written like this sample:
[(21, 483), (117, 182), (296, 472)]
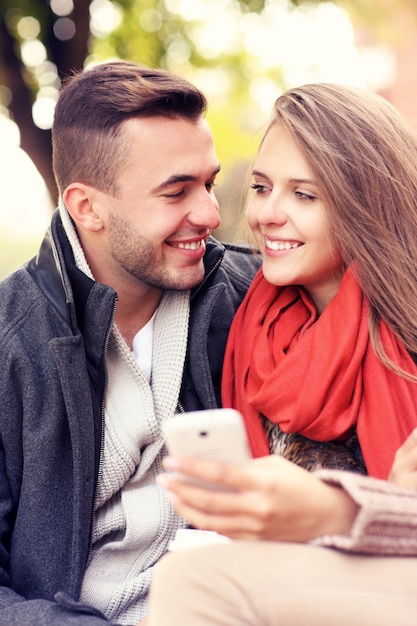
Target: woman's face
[(289, 220)]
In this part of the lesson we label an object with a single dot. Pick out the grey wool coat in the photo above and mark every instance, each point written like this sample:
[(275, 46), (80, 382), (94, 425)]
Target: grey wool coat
[(54, 325)]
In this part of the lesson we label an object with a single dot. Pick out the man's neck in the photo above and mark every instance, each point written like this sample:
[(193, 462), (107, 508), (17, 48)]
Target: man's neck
[(133, 314)]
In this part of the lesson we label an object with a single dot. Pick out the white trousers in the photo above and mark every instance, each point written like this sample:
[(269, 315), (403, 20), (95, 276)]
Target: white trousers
[(285, 584)]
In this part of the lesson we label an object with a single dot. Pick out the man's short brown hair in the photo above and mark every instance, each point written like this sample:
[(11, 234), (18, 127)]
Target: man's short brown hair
[(86, 139)]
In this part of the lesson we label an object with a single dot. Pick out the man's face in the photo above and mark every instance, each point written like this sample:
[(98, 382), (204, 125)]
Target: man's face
[(158, 224)]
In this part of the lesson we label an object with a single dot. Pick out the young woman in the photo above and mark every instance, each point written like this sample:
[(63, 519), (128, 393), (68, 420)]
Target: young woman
[(323, 344), (322, 348)]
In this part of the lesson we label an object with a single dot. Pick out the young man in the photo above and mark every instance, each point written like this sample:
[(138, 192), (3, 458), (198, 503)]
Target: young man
[(119, 322)]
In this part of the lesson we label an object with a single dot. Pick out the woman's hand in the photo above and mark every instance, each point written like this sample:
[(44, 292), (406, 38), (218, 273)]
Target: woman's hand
[(269, 498), (404, 468)]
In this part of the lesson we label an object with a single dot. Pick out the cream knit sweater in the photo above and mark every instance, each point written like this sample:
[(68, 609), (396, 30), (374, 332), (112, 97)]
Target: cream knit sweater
[(133, 519)]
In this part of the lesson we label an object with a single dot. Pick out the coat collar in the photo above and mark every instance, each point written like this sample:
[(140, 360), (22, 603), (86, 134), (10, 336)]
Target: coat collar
[(68, 288)]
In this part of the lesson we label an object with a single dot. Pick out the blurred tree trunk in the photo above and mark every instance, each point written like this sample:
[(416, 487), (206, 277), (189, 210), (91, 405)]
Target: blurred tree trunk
[(67, 55), (36, 142), (131, 41), (70, 55)]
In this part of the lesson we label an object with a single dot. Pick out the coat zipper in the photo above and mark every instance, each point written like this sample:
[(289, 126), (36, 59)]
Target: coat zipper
[(207, 276), (103, 404)]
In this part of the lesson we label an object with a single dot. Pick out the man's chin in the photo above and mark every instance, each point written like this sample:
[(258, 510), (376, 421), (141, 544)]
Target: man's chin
[(187, 280)]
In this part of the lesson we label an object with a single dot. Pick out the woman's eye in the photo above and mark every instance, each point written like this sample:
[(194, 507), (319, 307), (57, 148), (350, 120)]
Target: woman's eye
[(305, 196), (258, 188)]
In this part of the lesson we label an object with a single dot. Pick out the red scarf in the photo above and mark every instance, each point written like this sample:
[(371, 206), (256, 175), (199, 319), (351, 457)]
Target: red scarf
[(318, 376)]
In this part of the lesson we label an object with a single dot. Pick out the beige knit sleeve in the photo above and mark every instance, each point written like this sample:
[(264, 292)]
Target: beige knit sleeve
[(387, 519)]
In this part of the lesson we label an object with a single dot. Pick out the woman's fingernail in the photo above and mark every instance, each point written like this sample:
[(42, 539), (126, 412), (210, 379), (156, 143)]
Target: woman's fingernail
[(163, 480), (170, 463), (172, 497)]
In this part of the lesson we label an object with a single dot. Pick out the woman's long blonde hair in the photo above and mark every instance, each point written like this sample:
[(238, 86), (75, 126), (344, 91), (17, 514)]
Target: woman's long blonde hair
[(364, 158)]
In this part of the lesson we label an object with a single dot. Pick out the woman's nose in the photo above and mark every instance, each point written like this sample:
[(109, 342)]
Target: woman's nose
[(273, 212)]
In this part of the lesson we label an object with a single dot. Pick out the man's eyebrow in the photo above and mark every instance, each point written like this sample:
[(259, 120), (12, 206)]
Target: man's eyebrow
[(181, 178)]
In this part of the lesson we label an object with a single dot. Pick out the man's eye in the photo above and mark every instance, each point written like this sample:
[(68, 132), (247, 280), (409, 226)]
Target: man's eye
[(211, 185), (177, 194)]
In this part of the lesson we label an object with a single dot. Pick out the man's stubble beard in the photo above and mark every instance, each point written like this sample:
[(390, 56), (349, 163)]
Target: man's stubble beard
[(137, 256)]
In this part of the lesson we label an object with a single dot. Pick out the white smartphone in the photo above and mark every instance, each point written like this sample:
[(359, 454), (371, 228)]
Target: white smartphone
[(216, 434)]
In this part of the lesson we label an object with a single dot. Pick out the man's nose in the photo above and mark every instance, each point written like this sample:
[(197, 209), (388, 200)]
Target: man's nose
[(205, 212)]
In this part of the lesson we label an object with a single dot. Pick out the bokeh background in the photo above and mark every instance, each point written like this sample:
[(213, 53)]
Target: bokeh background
[(241, 53)]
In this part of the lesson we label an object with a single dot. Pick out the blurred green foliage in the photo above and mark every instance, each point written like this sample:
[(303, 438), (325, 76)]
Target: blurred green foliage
[(14, 252), (160, 33)]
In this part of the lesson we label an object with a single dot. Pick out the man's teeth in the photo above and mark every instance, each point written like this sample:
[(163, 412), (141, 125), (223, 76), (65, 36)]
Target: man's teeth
[(280, 245), (191, 245)]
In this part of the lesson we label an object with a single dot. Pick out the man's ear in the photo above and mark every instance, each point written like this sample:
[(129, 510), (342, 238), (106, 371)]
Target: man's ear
[(82, 203)]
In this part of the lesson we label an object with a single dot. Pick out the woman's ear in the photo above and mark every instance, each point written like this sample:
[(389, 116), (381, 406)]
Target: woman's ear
[(82, 203)]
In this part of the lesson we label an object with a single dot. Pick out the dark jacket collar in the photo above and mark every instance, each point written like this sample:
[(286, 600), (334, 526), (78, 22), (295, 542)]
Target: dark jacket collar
[(55, 272)]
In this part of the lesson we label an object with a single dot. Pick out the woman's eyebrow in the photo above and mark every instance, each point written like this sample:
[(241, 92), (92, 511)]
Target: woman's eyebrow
[(296, 181), (308, 181), (258, 173)]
